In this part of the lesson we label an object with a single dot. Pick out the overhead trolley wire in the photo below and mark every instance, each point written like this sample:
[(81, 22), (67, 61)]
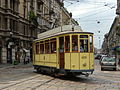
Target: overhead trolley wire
[(95, 13)]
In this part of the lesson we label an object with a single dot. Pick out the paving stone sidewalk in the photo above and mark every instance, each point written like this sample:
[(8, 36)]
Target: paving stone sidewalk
[(5, 66)]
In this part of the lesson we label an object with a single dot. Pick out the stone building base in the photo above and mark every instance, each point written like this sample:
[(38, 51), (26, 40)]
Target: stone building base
[(118, 68), (23, 55), (4, 56)]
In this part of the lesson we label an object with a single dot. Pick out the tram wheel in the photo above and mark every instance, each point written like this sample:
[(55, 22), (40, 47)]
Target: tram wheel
[(102, 69)]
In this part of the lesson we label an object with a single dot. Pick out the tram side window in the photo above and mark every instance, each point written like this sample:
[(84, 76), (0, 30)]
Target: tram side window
[(41, 47), (47, 49), (53, 45), (67, 43), (61, 44), (75, 43), (37, 48), (83, 45), (91, 44)]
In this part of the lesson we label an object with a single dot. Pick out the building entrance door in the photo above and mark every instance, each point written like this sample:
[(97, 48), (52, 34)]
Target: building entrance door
[(9, 55)]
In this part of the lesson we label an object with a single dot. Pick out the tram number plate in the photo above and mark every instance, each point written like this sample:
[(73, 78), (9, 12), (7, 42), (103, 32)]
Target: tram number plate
[(84, 57)]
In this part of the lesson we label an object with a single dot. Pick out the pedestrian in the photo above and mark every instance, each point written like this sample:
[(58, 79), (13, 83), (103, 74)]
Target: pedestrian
[(118, 62)]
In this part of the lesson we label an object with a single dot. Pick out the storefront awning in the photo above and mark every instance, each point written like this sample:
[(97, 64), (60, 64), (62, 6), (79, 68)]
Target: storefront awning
[(116, 48)]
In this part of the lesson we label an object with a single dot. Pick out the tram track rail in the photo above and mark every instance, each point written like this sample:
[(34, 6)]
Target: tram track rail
[(106, 75), (42, 84), (6, 87)]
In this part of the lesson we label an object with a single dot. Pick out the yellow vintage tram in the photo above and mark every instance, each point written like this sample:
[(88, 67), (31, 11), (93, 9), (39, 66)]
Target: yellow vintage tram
[(65, 50)]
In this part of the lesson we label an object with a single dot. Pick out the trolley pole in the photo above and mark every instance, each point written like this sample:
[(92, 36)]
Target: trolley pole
[(61, 8)]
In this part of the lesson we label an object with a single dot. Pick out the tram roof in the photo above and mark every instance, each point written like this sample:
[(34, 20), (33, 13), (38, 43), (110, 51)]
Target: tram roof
[(61, 30)]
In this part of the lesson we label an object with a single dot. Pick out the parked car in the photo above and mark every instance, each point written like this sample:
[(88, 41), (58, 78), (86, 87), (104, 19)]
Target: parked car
[(102, 57), (98, 56), (108, 63)]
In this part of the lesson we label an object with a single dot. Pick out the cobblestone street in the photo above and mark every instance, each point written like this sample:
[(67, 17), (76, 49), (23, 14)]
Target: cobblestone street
[(25, 78)]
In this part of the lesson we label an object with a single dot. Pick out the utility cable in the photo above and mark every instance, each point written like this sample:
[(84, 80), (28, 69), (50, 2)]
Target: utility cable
[(95, 13), (94, 18)]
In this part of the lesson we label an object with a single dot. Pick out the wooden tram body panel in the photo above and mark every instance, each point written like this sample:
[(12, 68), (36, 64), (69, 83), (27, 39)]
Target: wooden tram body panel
[(68, 60), (49, 60)]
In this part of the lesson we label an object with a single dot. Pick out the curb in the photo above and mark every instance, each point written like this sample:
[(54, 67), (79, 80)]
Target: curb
[(16, 66)]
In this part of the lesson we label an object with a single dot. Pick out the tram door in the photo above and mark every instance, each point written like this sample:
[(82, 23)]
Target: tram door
[(61, 52)]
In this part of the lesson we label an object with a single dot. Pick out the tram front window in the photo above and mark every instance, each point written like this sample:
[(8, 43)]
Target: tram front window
[(91, 43), (83, 43)]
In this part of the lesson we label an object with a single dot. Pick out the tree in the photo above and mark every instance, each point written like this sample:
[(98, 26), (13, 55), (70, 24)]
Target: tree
[(33, 18)]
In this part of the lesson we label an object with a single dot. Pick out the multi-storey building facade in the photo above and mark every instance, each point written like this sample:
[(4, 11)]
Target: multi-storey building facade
[(8, 23), (113, 38), (67, 18), (48, 13), (52, 14), (17, 30), (118, 7), (105, 48), (114, 35)]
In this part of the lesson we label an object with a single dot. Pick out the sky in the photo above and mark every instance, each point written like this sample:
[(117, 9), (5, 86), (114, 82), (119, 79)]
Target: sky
[(93, 16)]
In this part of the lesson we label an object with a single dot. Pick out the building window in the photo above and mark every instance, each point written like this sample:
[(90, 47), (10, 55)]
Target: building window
[(6, 23), (0, 3), (40, 6), (12, 4), (27, 30), (13, 25), (0, 22), (6, 4), (24, 12), (31, 3), (24, 29), (24, 8)]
